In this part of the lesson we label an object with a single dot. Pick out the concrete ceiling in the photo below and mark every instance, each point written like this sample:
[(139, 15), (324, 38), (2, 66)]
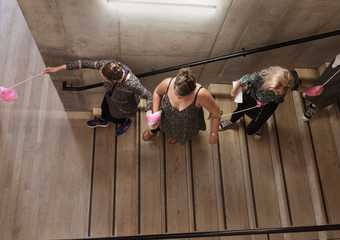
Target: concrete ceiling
[(150, 36)]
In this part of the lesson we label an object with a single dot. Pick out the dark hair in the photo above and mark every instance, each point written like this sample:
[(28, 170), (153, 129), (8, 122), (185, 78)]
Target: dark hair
[(296, 81), (185, 82), (113, 71)]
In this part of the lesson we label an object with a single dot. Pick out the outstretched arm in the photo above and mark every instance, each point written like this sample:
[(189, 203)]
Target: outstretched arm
[(79, 64)]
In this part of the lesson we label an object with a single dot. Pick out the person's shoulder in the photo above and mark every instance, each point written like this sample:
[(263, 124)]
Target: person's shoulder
[(203, 93), (163, 85), (165, 82)]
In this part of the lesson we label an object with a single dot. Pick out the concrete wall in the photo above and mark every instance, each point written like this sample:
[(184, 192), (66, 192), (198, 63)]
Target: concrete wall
[(44, 163), (146, 38)]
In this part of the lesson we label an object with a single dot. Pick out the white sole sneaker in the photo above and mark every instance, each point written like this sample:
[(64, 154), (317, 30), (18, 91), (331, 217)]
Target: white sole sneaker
[(305, 119)]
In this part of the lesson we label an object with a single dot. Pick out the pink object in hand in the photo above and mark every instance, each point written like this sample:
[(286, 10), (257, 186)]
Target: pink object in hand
[(153, 118), (259, 104), (313, 91), (7, 94)]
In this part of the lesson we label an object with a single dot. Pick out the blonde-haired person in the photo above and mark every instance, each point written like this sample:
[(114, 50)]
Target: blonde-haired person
[(265, 89), (122, 95), (181, 100)]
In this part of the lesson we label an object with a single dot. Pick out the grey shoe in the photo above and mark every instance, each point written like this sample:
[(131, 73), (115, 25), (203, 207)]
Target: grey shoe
[(226, 124)]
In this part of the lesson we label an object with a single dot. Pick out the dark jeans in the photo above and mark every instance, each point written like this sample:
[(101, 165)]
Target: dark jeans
[(258, 115), (106, 115)]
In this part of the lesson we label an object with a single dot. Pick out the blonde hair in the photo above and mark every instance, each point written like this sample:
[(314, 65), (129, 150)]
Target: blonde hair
[(276, 79)]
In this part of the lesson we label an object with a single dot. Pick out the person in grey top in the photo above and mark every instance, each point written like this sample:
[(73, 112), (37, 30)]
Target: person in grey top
[(122, 96)]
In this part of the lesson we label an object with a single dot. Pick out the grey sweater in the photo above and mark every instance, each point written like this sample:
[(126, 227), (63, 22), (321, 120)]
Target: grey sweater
[(124, 98)]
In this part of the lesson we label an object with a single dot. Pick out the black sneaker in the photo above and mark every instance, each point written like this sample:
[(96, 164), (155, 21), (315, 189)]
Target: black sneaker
[(258, 134), (306, 117), (123, 127), (97, 122), (226, 124), (310, 110)]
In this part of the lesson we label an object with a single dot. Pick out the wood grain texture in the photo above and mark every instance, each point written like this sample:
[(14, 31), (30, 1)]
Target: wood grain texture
[(234, 179), (294, 165), (152, 183), (103, 183), (178, 187), (206, 193), (265, 193), (327, 161), (126, 208)]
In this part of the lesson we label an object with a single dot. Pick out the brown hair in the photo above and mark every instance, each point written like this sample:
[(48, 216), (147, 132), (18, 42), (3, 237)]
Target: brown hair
[(113, 71), (185, 82)]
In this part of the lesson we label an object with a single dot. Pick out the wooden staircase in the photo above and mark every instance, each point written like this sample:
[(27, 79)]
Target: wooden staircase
[(288, 178)]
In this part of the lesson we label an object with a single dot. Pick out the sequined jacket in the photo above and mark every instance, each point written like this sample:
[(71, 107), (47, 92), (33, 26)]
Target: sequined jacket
[(254, 82)]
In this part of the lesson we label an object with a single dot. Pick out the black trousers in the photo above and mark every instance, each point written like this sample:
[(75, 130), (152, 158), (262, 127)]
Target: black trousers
[(258, 115), (106, 115)]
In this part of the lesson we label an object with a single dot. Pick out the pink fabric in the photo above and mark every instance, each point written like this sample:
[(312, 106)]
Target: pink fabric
[(313, 91), (7, 94), (153, 118)]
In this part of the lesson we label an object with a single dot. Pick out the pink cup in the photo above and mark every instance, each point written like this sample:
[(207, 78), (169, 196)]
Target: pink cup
[(153, 118)]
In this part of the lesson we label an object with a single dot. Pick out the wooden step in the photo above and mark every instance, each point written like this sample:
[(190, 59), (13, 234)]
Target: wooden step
[(324, 130), (208, 206), (294, 166), (103, 183), (238, 195), (241, 183), (152, 183), (127, 218)]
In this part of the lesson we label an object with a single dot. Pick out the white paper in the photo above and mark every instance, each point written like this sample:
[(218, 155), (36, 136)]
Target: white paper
[(336, 61), (239, 95)]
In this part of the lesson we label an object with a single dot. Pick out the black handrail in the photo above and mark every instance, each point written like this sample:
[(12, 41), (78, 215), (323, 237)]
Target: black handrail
[(259, 231), (243, 52)]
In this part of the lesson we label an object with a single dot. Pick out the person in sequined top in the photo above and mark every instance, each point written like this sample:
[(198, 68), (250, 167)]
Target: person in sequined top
[(266, 90), (123, 91), (181, 101)]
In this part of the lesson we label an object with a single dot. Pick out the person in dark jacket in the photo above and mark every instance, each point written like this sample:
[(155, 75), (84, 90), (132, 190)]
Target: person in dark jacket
[(330, 93), (262, 92)]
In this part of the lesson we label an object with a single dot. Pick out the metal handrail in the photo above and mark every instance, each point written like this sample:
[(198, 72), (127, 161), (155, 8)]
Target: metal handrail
[(243, 52), (258, 231)]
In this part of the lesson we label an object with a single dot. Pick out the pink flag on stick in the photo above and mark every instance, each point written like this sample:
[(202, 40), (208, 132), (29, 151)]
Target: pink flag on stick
[(313, 91), (317, 90), (7, 94)]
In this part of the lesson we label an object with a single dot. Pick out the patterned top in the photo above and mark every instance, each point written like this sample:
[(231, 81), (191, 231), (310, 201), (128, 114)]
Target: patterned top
[(254, 82), (182, 125), (123, 98)]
